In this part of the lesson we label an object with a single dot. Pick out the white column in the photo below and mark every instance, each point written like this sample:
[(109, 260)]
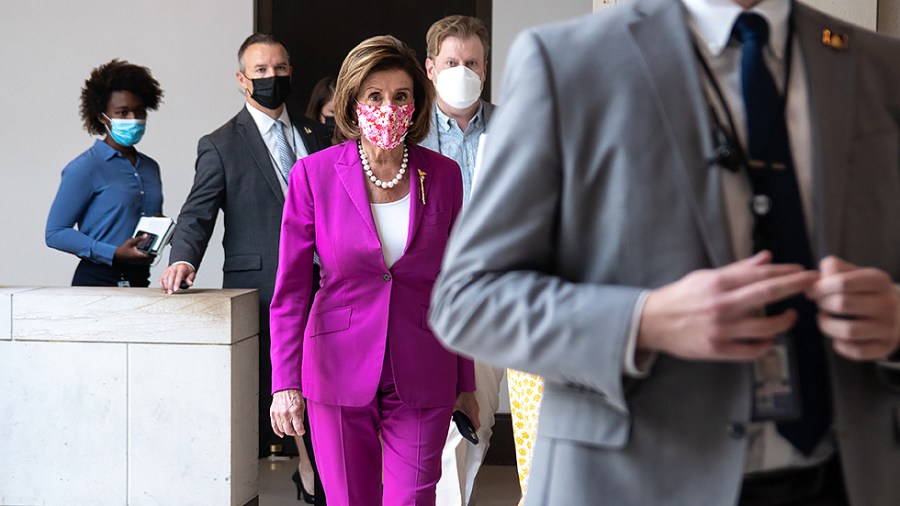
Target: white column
[(128, 396)]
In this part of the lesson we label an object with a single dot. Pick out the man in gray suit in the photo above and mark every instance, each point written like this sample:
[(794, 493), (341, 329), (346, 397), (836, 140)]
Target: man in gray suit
[(607, 249), (242, 170)]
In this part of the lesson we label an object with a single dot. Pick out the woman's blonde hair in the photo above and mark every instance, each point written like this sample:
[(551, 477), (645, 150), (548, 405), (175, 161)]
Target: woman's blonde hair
[(383, 52)]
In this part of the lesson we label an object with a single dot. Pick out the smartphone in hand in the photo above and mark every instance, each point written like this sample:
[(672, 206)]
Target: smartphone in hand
[(465, 427)]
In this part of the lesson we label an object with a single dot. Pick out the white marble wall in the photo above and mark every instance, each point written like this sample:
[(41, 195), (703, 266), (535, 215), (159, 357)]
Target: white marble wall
[(128, 396), (6, 294)]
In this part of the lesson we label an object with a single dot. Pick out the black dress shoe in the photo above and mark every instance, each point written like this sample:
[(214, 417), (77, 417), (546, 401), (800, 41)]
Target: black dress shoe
[(302, 494)]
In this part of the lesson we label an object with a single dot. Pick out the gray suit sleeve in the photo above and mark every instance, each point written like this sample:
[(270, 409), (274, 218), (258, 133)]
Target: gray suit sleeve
[(198, 215), (501, 296)]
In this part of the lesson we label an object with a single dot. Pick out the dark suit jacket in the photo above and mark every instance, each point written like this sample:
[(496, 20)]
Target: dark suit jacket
[(234, 173)]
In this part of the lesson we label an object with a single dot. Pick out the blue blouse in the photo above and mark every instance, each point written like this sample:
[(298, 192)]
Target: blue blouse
[(105, 196)]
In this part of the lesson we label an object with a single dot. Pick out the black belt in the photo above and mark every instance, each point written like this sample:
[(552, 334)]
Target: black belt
[(818, 485)]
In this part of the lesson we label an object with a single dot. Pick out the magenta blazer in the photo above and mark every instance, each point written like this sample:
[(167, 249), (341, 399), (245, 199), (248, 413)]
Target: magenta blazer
[(362, 307)]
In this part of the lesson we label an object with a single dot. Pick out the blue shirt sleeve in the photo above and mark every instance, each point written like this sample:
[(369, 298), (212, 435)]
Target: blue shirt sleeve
[(76, 190)]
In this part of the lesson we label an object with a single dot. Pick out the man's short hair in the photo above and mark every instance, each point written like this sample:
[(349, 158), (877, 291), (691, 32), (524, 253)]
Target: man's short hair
[(461, 27), (259, 38)]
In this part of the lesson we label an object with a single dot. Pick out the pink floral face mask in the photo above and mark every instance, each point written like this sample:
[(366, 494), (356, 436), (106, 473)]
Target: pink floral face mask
[(385, 126)]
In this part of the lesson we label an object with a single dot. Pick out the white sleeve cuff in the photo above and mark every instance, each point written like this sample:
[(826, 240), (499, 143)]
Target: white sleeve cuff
[(185, 263), (631, 365)]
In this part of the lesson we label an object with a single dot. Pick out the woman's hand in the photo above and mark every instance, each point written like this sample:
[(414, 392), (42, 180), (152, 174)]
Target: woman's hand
[(286, 413), (128, 253), (466, 403)]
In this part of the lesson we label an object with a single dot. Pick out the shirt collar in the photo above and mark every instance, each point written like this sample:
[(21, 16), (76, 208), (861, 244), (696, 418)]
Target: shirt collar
[(712, 21), (445, 122), (108, 152), (264, 122)]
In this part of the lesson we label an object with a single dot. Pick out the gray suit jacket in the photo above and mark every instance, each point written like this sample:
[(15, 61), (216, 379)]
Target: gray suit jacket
[(596, 186)]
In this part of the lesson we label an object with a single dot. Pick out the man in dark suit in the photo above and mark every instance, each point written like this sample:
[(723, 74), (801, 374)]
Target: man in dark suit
[(685, 166), (242, 169)]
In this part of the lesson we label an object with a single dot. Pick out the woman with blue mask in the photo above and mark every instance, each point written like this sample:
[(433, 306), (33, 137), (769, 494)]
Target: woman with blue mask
[(108, 188)]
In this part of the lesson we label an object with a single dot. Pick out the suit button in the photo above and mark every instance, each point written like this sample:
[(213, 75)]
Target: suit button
[(386, 277), (737, 431)]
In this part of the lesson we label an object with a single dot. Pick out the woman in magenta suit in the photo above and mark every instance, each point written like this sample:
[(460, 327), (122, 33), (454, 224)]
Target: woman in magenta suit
[(377, 209)]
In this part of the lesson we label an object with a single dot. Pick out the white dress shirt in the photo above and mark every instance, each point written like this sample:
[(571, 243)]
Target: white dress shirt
[(266, 126)]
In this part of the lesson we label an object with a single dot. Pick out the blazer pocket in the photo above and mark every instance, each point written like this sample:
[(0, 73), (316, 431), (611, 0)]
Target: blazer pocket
[(609, 428), (250, 262), (332, 320)]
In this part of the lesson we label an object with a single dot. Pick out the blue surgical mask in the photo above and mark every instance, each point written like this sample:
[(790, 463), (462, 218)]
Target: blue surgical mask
[(126, 132)]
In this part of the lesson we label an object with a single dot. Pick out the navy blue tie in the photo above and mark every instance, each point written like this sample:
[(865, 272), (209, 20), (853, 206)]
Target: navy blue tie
[(779, 225)]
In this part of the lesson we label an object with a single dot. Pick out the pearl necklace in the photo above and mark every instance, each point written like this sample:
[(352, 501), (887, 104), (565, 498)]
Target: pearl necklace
[(368, 170)]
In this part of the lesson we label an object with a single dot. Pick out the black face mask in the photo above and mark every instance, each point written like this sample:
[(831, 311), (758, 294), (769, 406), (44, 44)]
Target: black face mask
[(271, 92), (329, 122)]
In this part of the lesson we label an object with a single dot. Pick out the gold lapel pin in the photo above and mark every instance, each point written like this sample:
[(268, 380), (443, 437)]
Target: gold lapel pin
[(834, 40), (422, 185), (307, 130)]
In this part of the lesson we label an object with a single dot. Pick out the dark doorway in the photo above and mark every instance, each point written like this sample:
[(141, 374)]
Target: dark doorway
[(319, 34)]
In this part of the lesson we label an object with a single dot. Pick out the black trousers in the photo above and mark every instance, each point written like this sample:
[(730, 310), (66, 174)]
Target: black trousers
[(822, 485), (89, 273)]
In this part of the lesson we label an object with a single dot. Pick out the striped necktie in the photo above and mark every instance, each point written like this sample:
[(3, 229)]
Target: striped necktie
[(285, 153)]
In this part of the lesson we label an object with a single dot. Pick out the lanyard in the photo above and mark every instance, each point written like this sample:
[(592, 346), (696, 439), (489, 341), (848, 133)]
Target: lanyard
[(729, 151)]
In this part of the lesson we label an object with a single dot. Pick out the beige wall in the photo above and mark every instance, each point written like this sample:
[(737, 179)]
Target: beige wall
[(47, 50), (860, 12), (889, 17), (512, 16)]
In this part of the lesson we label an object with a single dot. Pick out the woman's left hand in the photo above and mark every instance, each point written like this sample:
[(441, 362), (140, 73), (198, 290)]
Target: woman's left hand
[(466, 403), (286, 413)]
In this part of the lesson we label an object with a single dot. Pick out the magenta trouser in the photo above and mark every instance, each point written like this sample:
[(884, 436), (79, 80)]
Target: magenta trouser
[(349, 453)]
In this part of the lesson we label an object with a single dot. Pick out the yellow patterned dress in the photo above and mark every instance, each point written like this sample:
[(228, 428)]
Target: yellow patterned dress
[(525, 392)]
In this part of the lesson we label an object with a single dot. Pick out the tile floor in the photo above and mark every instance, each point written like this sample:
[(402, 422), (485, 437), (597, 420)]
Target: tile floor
[(496, 485)]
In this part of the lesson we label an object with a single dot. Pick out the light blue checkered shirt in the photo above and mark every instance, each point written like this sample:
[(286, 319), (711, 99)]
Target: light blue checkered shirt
[(453, 143)]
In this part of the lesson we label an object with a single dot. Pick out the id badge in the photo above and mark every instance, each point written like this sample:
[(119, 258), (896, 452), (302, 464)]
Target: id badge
[(775, 392), (124, 284)]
